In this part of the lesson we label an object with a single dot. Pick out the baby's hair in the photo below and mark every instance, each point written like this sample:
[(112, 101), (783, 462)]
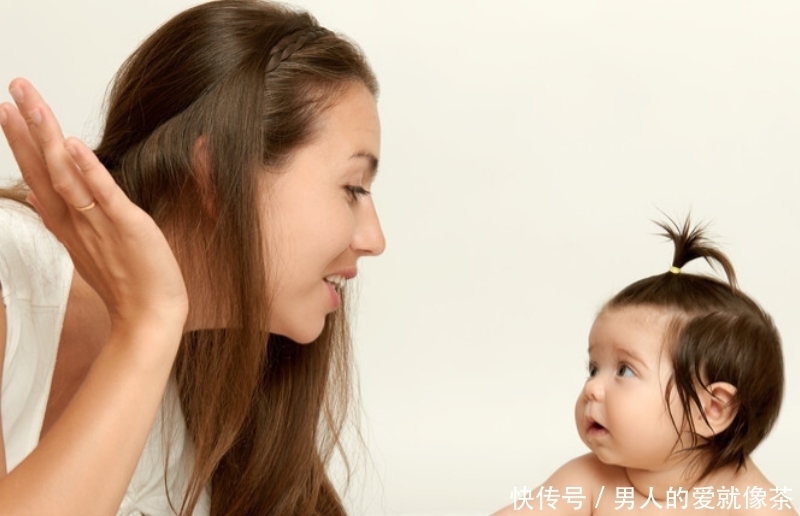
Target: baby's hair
[(718, 334)]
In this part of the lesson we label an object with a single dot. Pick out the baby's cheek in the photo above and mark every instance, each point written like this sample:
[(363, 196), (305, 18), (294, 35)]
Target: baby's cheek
[(672, 411), (580, 409)]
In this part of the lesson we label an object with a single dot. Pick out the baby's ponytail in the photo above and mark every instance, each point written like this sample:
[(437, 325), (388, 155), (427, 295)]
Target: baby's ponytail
[(690, 244)]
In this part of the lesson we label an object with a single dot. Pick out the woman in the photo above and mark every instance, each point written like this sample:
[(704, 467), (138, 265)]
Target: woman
[(212, 233)]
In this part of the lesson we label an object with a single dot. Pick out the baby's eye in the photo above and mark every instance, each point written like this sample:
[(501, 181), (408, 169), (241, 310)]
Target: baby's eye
[(625, 370), (356, 191), (592, 369)]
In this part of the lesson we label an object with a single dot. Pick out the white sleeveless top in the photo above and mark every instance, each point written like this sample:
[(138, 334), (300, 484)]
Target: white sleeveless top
[(35, 276)]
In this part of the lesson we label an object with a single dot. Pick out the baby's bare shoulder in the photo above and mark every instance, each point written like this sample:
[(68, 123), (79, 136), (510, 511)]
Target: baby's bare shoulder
[(591, 471), (757, 496), (572, 489)]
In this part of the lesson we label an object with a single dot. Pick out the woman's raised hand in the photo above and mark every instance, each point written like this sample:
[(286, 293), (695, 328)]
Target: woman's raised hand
[(84, 463), (115, 246)]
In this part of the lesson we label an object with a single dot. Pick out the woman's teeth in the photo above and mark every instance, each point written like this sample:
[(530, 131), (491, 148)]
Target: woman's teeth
[(336, 280)]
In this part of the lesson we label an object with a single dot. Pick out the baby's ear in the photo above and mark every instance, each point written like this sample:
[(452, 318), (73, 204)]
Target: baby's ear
[(719, 407)]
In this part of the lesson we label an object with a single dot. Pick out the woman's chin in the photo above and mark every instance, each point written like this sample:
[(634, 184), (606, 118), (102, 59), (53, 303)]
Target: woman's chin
[(304, 335)]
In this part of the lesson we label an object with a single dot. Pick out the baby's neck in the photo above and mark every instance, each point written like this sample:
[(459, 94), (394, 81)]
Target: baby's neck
[(676, 477)]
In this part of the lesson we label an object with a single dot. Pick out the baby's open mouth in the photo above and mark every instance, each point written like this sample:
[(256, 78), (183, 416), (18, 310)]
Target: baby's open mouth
[(594, 426)]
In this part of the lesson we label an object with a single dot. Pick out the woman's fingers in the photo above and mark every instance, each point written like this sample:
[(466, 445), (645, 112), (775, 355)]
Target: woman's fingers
[(101, 188), (32, 166), (48, 140), (26, 153)]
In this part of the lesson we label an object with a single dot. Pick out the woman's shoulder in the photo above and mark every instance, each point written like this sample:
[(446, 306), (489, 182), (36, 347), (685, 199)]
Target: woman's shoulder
[(33, 263), (35, 274), (19, 225), (13, 212)]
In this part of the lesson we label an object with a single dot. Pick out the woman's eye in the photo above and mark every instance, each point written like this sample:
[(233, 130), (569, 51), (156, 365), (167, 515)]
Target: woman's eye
[(625, 370), (356, 191)]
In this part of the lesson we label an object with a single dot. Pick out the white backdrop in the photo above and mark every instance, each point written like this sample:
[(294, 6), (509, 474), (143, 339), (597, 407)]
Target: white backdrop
[(526, 147)]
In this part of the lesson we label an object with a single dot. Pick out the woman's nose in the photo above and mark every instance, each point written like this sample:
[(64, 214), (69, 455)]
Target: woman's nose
[(368, 238)]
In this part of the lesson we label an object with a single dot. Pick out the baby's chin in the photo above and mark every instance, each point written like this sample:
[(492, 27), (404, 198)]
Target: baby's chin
[(587, 442), (603, 454)]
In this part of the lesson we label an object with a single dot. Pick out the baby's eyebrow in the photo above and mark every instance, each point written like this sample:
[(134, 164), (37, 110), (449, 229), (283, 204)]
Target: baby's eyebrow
[(631, 355), (627, 353)]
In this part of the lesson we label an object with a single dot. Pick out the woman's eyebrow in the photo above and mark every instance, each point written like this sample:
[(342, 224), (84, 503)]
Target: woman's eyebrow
[(371, 159)]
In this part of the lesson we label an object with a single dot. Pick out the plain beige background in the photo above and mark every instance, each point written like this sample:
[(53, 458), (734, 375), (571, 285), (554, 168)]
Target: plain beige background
[(527, 144)]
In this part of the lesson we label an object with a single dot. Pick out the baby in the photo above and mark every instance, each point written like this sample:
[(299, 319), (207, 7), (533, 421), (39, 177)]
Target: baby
[(685, 380)]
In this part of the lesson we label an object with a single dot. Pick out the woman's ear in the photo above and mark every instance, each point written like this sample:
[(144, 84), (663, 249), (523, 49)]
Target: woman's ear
[(201, 164), (719, 408)]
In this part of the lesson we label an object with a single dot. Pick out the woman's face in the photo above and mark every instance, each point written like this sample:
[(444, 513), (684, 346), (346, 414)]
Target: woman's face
[(319, 217)]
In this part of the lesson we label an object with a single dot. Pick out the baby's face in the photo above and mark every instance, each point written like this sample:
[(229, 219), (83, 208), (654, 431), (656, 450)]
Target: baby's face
[(621, 413)]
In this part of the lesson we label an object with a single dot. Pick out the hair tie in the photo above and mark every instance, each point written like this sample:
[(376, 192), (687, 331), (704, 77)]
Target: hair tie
[(675, 270)]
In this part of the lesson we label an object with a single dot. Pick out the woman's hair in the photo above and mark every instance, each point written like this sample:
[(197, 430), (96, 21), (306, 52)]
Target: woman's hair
[(248, 80), (718, 334)]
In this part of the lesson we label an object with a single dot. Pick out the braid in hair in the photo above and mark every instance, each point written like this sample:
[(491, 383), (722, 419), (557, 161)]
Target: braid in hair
[(291, 43)]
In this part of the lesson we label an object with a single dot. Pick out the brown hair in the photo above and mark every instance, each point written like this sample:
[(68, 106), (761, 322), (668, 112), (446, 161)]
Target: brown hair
[(719, 334), (251, 79)]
